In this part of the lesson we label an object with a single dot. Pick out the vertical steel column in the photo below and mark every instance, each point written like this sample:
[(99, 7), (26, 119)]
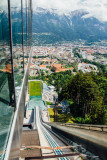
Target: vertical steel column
[(2, 32), (11, 49), (31, 19), (26, 27), (22, 32), (29, 23)]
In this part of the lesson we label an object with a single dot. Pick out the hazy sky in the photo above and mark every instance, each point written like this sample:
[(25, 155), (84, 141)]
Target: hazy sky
[(96, 8)]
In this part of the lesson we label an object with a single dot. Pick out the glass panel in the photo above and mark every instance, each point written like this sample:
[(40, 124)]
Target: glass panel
[(7, 101), (27, 30), (26, 56), (29, 27), (16, 17), (7, 92)]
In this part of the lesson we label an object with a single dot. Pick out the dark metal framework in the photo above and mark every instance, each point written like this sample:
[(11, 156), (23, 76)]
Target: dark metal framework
[(22, 32), (28, 40), (26, 25), (11, 52)]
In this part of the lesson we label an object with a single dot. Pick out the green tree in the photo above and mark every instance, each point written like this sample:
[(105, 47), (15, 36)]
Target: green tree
[(86, 95)]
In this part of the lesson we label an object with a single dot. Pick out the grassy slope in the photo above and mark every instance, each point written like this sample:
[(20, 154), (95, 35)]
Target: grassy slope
[(35, 88)]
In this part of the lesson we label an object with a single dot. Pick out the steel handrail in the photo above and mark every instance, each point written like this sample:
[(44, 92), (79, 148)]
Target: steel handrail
[(102, 128)]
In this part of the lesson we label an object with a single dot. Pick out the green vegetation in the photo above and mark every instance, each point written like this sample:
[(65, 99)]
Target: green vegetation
[(67, 65), (41, 76), (100, 54), (74, 70), (89, 95), (76, 53), (74, 65), (42, 56), (66, 118), (48, 103), (56, 79), (48, 67), (85, 120), (59, 79), (35, 88)]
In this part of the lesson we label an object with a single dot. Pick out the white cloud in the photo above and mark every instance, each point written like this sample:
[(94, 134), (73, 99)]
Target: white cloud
[(96, 8)]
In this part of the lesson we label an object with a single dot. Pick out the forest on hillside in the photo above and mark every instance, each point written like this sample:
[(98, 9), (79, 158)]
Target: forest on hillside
[(85, 92), (88, 92)]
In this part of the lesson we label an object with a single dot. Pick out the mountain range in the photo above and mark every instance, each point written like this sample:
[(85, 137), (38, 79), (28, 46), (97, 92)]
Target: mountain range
[(49, 26)]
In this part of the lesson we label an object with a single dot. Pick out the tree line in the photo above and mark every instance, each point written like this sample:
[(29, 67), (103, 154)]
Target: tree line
[(88, 91), (59, 79)]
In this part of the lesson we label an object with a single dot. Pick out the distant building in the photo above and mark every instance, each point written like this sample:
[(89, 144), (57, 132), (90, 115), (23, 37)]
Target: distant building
[(34, 70), (51, 88), (59, 68), (56, 66), (43, 67), (87, 67)]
